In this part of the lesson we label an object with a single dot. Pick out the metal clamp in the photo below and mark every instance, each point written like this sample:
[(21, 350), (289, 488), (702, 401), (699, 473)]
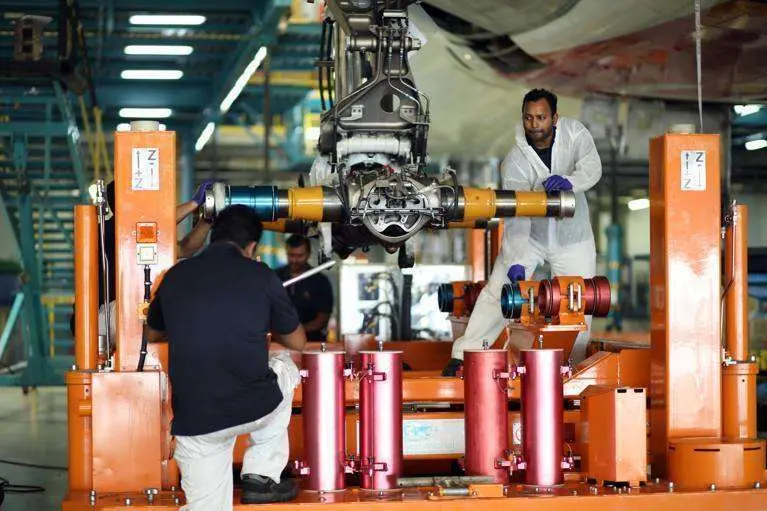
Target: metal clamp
[(531, 301), (508, 374), (511, 462), (575, 296), (301, 467), (374, 375), (373, 466)]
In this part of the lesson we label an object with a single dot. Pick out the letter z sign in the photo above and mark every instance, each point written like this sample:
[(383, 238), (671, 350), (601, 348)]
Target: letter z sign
[(145, 168), (693, 170)]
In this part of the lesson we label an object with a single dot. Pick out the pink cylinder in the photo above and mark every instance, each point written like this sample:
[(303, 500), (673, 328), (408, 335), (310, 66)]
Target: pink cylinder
[(380, 419), (487, 414), (324, 423), (542, 416)]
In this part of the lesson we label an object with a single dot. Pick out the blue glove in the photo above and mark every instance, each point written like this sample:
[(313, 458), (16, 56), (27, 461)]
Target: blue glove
[(557, 183), (516, 273), (199, 195)]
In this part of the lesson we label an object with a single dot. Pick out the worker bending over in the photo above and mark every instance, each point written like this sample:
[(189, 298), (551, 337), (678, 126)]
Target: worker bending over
[(215, 310), (552, 154), (312, 297)]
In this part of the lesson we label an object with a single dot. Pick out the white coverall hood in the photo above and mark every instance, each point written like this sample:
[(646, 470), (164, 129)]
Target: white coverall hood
[(567, 244)]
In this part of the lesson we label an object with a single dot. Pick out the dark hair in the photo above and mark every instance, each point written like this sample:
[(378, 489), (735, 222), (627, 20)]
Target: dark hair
[(237, 224), (297, 240), (539, 94)]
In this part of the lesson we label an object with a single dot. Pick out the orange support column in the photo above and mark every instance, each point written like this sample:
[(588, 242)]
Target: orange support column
[(79, 430), (86, 287), (736, 282), (475, 239), (145, 214), (496, 242), (739, 374), (685, 381)]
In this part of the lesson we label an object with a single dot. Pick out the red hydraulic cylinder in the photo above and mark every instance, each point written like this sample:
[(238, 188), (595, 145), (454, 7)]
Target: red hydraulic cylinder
[(380, 461), (485, 375), (542, 416), (324, 425)]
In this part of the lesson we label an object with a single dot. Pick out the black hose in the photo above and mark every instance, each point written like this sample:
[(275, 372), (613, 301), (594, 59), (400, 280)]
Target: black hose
[(142, 354), (329, 53), (321, 65)]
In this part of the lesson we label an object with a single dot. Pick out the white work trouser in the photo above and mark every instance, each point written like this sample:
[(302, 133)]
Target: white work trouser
[(206, 460), (487, 321)]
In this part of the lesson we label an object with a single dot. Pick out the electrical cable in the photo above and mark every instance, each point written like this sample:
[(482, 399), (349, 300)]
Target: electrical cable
[(320, 67), (31, 465), (6, 488), (698, 58), (104, 264)]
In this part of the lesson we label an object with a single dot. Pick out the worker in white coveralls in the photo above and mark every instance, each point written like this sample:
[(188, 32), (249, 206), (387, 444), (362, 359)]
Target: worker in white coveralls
[(551, 154)]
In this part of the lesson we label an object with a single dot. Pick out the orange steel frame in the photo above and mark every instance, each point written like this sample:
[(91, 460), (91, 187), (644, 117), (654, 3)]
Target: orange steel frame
[(119, 441), (684, 296)]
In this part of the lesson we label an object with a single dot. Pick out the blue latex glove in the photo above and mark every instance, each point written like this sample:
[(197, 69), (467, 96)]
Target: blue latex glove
[(199, 195), (557, 183), (516, 273)]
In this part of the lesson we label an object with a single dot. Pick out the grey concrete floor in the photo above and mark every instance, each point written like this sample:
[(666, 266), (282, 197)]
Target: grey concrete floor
[(33, 429)]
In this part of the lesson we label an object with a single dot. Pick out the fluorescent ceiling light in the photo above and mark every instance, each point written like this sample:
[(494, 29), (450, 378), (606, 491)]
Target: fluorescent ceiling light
[(151, 49), (167, 19), (145, 113), (124, 126), (151, 74), (205, 136), (753, 145), (242, 81), (639, 204), (744, 110)]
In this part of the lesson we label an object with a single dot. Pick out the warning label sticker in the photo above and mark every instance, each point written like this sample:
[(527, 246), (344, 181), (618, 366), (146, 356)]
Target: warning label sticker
[(145, 168), (693, 170)]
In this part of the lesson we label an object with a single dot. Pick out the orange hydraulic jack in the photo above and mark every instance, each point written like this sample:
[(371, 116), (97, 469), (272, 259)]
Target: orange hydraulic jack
[(120, 446)]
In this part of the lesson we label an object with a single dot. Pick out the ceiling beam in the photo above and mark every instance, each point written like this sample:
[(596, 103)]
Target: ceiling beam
[(262, 33)]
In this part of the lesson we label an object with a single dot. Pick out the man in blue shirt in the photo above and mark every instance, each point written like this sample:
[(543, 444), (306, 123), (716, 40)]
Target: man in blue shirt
[(312, 297)]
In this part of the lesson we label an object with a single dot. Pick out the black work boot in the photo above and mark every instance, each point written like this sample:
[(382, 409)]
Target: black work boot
[(453, 367), (261, 489)]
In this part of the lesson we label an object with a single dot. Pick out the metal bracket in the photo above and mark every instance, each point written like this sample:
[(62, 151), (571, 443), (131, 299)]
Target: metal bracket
[(301, 467), (575, 296), (508, 374)]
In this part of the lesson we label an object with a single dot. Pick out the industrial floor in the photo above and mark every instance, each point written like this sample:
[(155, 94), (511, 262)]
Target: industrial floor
[(33, 429)]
